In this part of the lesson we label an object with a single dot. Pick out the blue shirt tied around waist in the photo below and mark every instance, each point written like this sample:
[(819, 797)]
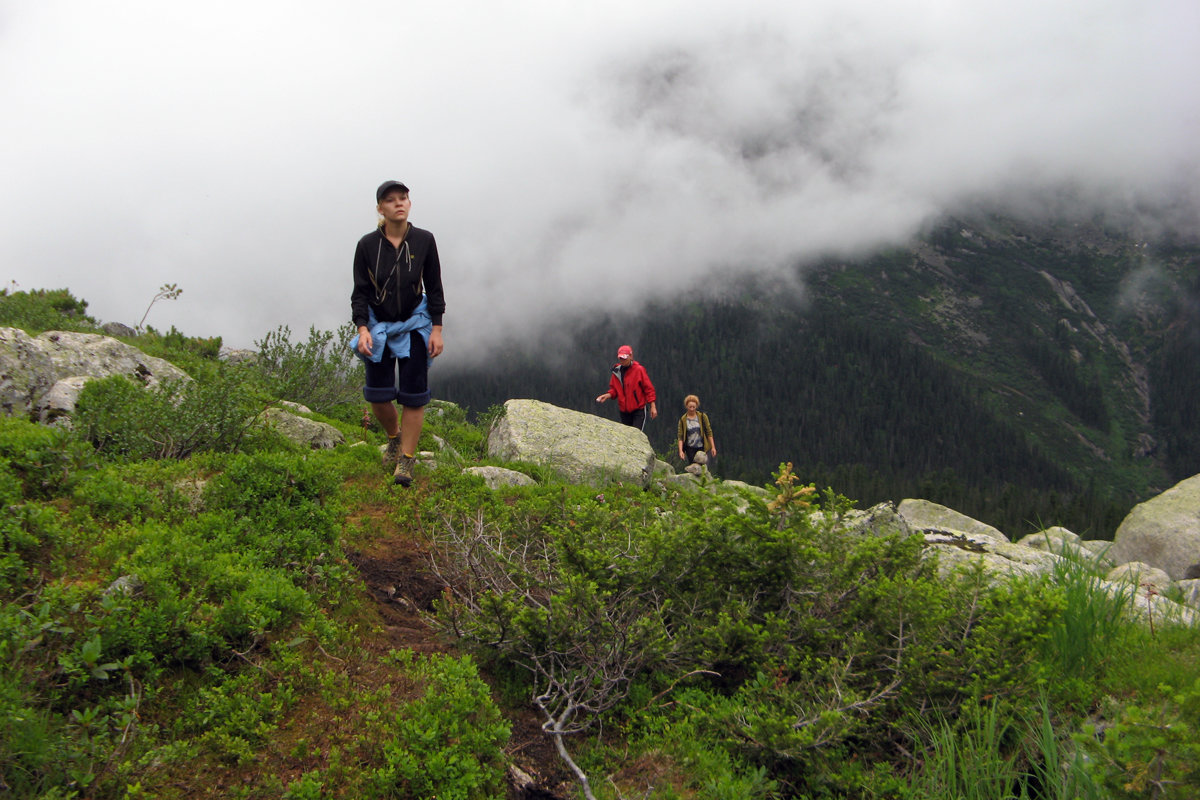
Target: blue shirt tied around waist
[(395, 335)]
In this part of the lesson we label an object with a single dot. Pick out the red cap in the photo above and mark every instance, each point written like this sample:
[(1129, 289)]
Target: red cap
[(624, 351)]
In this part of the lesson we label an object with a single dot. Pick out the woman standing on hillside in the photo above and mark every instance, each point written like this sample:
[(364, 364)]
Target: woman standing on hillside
[(397, 306), (694, 432)]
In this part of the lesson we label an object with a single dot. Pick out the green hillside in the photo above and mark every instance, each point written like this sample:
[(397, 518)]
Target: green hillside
[(192, 606), (1023, 376)]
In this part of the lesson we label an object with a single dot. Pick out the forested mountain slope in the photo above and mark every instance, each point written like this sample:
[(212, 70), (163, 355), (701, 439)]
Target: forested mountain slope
[(1024, 374)]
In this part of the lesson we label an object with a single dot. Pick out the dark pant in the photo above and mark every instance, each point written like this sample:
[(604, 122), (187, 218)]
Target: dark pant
[(405, 380), (635, 418)]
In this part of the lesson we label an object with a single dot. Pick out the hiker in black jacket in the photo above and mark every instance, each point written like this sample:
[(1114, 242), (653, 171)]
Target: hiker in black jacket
[(397, 306)]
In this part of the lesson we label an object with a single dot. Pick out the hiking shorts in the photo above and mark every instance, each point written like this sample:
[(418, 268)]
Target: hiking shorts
[(405, 380)]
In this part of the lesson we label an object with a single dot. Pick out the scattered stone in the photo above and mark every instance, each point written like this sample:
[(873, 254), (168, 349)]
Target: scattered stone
[(317, 435), (496, 477), (118, 329)]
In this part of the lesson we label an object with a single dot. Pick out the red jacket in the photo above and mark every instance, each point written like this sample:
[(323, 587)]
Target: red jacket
[(633, 389)]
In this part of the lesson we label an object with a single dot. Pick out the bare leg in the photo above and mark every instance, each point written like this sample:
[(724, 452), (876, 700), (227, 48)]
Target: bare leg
[(411, 420), (389, 418)]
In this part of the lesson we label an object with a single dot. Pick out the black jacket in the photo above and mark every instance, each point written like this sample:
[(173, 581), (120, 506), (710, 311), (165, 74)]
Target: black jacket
[(390, 282)]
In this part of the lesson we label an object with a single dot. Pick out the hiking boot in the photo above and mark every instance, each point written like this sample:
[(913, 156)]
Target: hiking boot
[(392, 453), (404, 470)]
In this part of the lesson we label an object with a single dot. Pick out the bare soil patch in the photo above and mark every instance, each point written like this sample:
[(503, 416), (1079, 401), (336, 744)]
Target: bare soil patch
[(396, 572)]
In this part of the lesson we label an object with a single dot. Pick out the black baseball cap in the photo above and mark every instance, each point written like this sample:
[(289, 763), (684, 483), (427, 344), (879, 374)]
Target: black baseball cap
[(388, 186)]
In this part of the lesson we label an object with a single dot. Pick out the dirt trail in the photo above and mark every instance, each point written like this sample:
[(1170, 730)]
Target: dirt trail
[(397, 573)]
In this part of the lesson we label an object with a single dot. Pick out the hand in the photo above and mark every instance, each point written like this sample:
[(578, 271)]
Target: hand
[(682, 457), (713, 452), (653, 411), (603, 397), (364, 340), (435, 342)]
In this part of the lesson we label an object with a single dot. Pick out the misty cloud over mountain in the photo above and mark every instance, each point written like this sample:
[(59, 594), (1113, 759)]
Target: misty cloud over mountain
[(570, 161)]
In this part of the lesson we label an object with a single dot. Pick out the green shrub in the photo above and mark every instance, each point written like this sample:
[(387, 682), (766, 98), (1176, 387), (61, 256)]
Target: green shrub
[(1149, 747), (813, 641), (449, 743), (321, 373), (44, 309), (46, 460), (174, 420), (111, 494)]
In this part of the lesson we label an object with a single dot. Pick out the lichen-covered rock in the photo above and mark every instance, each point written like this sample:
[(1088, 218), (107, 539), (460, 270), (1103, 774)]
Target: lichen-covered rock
[(580, 448), (1191, 592), (1101, 551), (495, 477), (739, 486), (30, 366), (1164, 531), (924, 516), (25, 372), (118, 329), (682, 480), (999, 558), (317, 435), (1141, 574), (58, 404), (878, 520)]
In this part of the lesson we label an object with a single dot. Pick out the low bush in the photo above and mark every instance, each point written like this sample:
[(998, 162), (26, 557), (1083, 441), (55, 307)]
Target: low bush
[(46, 461), (43, 310), (448, 743), (127, 421), (810, 641), (320, 372)]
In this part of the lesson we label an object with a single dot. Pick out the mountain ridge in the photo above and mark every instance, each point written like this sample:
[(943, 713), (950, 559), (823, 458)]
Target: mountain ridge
[(1052, 333)]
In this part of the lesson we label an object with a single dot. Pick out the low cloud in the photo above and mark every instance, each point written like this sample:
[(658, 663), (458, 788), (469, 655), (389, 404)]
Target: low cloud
[(571, 162)]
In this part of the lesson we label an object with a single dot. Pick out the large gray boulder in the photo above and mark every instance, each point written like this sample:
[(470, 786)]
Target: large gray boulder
[(580, 448), (1164, 531), (31, 366)]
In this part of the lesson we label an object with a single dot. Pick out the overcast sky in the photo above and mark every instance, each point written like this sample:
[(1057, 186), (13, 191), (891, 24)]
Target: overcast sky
[(569, 157)]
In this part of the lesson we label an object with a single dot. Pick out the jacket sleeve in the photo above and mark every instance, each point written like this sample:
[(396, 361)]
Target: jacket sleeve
[(360, 295), (432, 278), (708, 434), (648, 387), (614, 387), (679, 428)]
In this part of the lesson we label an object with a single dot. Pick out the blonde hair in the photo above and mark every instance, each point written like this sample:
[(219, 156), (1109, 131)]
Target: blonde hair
[(690, 398)]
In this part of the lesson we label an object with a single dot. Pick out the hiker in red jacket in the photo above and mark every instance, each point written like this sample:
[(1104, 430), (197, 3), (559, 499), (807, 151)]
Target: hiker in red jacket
[(631, 386)]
